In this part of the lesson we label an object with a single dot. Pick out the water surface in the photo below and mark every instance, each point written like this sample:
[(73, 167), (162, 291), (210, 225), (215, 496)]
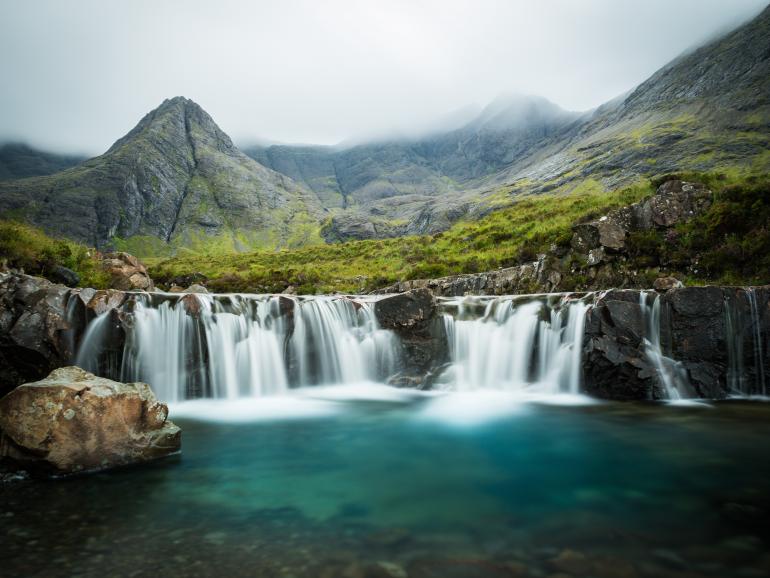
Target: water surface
[(374, 481)]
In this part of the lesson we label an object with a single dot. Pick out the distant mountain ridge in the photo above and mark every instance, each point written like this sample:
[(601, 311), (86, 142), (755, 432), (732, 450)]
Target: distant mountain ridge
[(177, 182), (19, 161)]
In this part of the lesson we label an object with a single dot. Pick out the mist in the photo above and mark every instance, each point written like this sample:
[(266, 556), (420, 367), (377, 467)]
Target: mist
[(77, 75)]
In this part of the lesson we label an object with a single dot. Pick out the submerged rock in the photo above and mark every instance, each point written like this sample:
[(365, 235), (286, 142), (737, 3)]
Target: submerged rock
[(73, 421)]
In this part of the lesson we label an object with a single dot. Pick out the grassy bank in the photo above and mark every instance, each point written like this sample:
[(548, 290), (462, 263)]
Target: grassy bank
[(731, 242), (728, 244), (28, 248)]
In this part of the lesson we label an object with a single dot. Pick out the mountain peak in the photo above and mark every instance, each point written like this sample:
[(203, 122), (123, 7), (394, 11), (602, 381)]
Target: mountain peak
[(515, 111), (178, 120)]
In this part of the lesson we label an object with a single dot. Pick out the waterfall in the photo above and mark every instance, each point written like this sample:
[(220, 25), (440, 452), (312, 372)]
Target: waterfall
[(671, 374), (517, 344), (235, 346), (759, 362), (90, 347), (739, 328)]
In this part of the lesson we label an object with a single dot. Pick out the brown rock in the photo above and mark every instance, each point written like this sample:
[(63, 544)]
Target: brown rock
[(663, 284), (196, 288), (73, 421), (127, 272)]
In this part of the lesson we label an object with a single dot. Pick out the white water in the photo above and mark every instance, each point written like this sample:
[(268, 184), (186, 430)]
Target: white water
[(738, 330), (759, 361), (240, 346), (671, 374), (236, 347), (518, 345)]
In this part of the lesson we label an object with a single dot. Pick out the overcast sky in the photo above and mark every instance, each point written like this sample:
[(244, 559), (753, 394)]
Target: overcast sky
[(78, 74)]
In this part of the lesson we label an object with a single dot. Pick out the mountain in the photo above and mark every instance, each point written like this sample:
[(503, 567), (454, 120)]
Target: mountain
[(386, 186), (18, 161), (706, 110), (176, 180)]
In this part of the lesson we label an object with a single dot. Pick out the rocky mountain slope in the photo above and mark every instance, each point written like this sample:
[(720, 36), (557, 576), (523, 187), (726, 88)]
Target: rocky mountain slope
[(705, 110), (175, 180), (18, 161), (708, 109)]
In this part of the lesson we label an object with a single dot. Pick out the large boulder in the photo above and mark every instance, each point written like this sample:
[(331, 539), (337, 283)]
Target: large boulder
[(34, 326), (674, 202), (413, 316), (608, 232), (127, 273), (73, 421)]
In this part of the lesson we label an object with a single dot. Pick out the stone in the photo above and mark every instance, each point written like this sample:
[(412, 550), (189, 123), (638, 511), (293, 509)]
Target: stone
[(676, 202), (73, 421), (607, 232), (34, 327), (571, 562), (405, 310), (663, 284), (127, 273), (196, 288), (65, 276)]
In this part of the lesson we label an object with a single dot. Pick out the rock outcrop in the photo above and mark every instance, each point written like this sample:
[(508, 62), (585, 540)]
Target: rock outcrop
[(598, 256), (73, 421), (716, 341), (127, 273), (42, 322), (33, 323), (413, 316)]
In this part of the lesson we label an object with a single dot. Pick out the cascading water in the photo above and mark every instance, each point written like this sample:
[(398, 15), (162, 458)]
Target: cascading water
[(236, 346), (742, 325), (672, 376), (759, 362), (531, 344)]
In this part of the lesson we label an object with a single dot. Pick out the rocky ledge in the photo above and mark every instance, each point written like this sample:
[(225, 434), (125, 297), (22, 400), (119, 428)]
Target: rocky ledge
[(717, 338), (73, 422)]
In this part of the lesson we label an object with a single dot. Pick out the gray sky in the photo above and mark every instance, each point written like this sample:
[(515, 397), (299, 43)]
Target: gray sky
[(78, 74)]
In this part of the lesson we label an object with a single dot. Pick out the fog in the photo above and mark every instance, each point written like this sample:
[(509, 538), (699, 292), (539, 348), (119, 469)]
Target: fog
[(77, 75)]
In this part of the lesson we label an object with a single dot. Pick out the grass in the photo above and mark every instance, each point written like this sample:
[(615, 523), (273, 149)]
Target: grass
[(728, 244), (503, 238), (25, 247)]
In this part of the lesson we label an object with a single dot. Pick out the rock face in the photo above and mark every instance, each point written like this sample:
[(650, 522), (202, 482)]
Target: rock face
[(413, 316), (674, 202), (41, 322), (33, 322), (73, 421), (598, 253), (717, 339), (127, 272)]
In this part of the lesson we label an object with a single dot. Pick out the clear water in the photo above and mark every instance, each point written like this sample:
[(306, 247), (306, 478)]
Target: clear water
[(372, 482)]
